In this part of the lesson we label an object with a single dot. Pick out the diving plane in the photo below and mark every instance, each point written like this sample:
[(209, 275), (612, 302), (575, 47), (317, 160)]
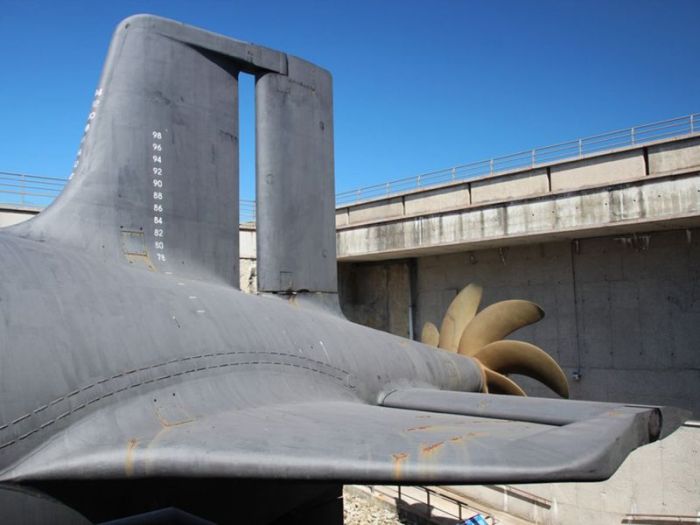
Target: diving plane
[(138, 384)]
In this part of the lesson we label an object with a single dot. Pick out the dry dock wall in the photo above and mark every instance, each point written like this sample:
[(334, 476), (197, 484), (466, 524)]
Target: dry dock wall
[(657, 485), (641, 188), (622, 312)]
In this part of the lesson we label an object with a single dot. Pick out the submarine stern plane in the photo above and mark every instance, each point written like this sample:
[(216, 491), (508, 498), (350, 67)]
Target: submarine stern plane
[(137, 382)]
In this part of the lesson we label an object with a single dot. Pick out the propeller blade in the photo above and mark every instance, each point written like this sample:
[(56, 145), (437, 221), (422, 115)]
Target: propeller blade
[(519, 357), (429, 335), (461, 310), (497, 321), (500, 384)]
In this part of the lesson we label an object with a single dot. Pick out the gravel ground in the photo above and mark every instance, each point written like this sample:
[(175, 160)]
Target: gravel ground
[(360, 511)]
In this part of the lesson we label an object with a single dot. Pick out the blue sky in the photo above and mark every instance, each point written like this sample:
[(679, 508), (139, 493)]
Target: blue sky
[(418, 85)]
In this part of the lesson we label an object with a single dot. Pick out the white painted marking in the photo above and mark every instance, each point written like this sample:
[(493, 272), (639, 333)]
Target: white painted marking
[(158, 207)]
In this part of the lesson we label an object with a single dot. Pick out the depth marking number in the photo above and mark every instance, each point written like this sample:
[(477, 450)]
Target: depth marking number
[(159, 204)]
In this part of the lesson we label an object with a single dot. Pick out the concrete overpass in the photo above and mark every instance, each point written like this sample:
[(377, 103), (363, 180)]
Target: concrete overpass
[(632, 189)]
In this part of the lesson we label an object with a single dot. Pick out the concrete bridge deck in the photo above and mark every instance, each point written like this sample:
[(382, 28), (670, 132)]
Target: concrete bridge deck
[(634, 189)]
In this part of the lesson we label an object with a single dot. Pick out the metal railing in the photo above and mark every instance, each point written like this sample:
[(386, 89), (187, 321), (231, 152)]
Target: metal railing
[(29, 190), (427, 504), (38, 191), (246, 211), (612, 140)]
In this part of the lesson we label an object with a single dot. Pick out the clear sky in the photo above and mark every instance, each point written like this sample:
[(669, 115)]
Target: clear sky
[(419, 85)]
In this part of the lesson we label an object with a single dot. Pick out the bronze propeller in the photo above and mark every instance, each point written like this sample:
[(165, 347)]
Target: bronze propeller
[(481, 337)]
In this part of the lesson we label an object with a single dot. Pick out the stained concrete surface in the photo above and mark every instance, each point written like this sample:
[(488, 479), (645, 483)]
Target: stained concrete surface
[(376, 295), (659, 481), (622, 312)]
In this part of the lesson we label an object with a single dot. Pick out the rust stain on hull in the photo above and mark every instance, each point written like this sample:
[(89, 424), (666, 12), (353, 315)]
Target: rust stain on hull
[(398, 459), (427, 450), (467, 436), (413, 429), (129, 461)]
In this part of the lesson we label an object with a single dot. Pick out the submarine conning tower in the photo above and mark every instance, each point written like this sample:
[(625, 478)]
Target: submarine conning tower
[(155, 182)]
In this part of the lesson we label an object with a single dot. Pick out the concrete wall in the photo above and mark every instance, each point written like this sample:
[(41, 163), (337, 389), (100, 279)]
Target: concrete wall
[(598, 194), (622, 311), (376, 295), (648, 203), (674, 156), (392, 207), (533, 182), (247, 263), (437, 199), (659, 479), (598, 170), (14, 215)]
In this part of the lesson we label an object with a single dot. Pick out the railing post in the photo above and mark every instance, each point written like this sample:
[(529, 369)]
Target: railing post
[(23, 188), (491, 166), (632, 134), (453, 174), (533, 158), (418, 181), (388, 186), (580, 148), (692, 122)]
